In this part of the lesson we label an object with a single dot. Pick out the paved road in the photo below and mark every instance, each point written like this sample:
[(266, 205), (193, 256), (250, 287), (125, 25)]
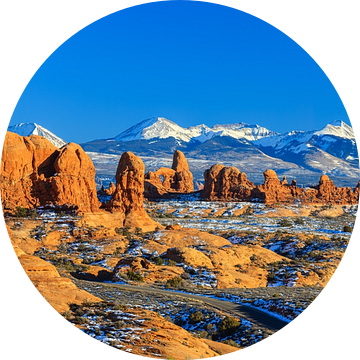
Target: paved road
[(256, 316)]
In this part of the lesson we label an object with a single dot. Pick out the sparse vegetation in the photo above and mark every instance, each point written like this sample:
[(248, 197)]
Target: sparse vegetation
[(196, 317), (133, 276), (174, 282), (20, 212), (228, 325)]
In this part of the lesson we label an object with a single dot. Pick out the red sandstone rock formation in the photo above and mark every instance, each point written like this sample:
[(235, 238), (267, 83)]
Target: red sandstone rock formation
[(34, 172), (227, 183), (183, 177), (273, 191), (107, 192), (165, 181), (222, 183), (128, 197)]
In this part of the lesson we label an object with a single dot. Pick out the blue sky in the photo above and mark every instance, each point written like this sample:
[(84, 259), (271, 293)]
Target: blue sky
[(190, 62)]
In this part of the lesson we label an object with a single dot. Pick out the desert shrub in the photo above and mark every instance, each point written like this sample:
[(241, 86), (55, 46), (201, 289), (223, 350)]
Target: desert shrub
[(21, 212), (253, 257), (276, 295), (209, 327), (284, 223), (348, 228), (158, 261), (123, 230), (119, 324), (271, 277), (82, 248), (299, 221), (154, 329), (172, 262), (228, 325), (33, 213), (231, 343), (81, 320), (203, 334), (196, 317), (218, 351), (117, 252), (138, 231), (134, 276), (79, 312), (67, 315), (174, 282)]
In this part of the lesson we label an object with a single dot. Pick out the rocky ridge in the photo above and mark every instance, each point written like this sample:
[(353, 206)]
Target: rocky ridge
[(228, 183)]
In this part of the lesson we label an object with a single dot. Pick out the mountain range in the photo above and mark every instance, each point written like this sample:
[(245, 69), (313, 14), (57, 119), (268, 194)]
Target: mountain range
[(303, 155)]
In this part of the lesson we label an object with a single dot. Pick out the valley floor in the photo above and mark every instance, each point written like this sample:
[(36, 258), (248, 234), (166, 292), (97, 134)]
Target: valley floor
[(276, 259)]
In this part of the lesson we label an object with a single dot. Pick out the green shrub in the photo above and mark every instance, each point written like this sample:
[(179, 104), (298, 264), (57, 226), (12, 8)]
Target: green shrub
[(134, 276), (231, 343), (284, 223), (172, 263), (271, 277), (253, 257), (138, 231), (174, 282), (348, 228), (159, 261), (21, 212), (299, 221), (196, 317), (228, 325)]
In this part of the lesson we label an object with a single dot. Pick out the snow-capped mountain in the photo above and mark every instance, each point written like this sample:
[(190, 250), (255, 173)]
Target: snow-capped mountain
[(162, 128), (27, 129), (303, 155), (336, 138)]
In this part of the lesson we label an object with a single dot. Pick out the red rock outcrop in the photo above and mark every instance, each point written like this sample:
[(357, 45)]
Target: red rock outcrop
[(227, 183), (128, 197), (222, 183), (34, 172), (273, 191), (165, 181), (107, 192)]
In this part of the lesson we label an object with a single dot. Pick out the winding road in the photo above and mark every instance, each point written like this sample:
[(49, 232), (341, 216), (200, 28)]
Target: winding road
[(256, 316)]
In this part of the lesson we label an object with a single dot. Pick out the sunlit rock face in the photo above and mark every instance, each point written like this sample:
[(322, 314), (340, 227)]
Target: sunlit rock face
[(34, 172), (228, 183), (165, 181)]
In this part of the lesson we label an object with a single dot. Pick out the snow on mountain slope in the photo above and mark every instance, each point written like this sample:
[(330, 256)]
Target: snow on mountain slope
[(27, 129), (159, 127), (337, 128), (331, 138), (154, 128)]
